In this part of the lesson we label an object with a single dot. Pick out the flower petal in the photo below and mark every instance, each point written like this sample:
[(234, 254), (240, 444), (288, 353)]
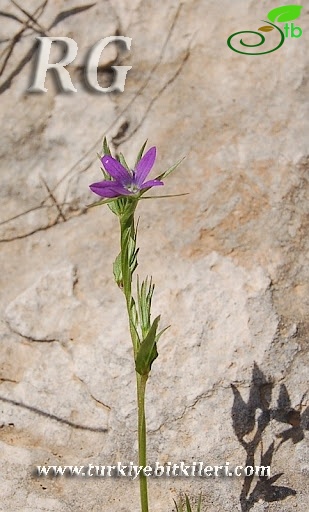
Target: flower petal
[(144, 166), (151, 183), (116, 170), (109, 189)]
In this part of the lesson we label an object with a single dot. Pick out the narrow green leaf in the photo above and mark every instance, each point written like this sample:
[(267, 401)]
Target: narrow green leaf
[(188, 506), (199, 503), (178, 509), (148, 350), (162, 197), (144, 299), (117, 205), (132, 251), (139, 305), (158, 336), (140, 153), (133, 311), (98, 203), (170, 170), (133, 261), (125, 265), (285, 13), (134, 320)]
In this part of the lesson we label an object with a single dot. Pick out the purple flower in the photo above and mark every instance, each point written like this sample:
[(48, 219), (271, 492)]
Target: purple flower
[(124, 182)]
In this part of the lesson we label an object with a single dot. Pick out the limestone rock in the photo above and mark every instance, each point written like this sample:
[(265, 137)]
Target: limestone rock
[(229, 260), (45, 311)]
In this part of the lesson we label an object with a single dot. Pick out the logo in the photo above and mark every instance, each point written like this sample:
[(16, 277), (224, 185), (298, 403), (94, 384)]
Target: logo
[(282, 14)]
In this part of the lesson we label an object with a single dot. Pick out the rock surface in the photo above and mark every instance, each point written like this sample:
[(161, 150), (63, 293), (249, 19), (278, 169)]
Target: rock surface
[(229, 260)]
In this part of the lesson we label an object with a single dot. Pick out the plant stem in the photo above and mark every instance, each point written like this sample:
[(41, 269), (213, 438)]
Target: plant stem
[(127, 233), (141, 381)]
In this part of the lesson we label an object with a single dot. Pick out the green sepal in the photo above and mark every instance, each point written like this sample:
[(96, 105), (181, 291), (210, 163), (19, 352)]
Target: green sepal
[(117, 206), (114, 207), (140, 153), (148, 350), (106, 150), (127, 214), (123, 162), (105, 174)]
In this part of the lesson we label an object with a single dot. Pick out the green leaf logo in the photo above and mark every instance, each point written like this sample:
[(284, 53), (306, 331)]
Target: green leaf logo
[(285, 13)]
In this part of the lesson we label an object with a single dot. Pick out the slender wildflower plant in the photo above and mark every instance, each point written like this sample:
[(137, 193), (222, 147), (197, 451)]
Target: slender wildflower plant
[(122, 189)]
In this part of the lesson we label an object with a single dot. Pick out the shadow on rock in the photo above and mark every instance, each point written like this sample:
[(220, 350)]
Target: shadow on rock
[(250, 419)]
